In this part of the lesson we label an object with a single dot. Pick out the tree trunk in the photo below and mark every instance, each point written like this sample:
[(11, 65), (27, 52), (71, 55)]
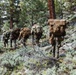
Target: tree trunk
[(51, 9)]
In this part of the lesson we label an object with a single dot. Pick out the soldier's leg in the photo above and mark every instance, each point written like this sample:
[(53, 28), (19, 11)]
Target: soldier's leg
[(15, 43), (10, 42)]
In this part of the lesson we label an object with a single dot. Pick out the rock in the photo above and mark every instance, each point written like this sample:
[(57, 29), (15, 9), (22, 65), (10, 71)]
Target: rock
[(62, 55)]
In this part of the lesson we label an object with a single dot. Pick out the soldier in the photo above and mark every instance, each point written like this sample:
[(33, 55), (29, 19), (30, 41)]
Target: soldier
[(6, 35), (36, 32)]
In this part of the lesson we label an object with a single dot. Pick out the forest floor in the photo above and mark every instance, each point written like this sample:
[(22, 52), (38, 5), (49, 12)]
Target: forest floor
[(34, 60)]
